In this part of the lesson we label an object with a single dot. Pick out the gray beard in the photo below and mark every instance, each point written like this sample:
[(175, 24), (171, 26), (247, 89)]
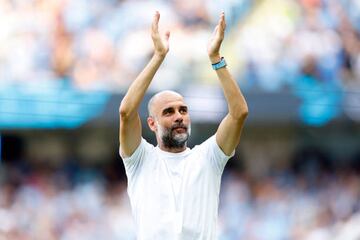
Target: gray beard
[(171, 140)]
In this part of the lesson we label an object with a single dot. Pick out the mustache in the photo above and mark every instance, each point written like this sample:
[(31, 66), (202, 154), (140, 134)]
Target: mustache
[(179, 125)]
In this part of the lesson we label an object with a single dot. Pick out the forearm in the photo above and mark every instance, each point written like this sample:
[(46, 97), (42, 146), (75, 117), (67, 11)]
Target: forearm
[(131, 102), (236, 102), (229, 131)]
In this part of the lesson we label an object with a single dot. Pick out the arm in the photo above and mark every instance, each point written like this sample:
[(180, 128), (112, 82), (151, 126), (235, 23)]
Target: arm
[(229, 131), (130, 124)]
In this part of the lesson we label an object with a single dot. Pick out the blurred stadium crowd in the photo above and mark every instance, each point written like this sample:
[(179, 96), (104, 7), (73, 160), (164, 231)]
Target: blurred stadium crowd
[(312, 201), (103, 44), (308, 47)]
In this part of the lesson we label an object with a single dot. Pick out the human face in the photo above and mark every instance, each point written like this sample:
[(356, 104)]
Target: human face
[(175, 132), (171, 122)]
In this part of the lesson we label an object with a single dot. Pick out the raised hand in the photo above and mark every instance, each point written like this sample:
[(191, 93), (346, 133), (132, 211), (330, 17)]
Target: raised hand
[(216, 39), (161, 43)]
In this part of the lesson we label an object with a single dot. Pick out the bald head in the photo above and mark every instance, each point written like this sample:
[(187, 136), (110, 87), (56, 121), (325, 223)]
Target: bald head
[(160, 99)]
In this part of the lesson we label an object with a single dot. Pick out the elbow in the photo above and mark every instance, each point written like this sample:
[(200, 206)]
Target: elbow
[(240, 113), (127, 111), (244, 113), (124, 111)]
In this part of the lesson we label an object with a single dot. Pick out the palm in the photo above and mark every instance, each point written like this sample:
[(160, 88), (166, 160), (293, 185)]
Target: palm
[(161, 43), (214, 46), (217, 37)]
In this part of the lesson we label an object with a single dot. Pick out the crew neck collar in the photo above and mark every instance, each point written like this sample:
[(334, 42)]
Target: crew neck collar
[(171, 154)]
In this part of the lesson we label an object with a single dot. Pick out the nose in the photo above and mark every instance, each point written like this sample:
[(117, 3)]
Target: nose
[(178, 117)]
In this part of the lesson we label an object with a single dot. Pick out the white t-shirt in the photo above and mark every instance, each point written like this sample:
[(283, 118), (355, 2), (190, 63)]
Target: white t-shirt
[(175, 196)]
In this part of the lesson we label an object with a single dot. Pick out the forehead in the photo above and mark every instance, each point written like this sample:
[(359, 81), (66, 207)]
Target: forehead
[(168, 100)]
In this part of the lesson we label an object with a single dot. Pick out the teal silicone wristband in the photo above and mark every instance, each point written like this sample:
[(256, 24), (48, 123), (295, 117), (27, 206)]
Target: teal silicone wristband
[(219, 65)]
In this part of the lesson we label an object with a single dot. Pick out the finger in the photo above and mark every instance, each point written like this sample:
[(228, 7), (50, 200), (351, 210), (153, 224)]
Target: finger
[(222, 21), (219, 22), (221, 29), (155, 23), (215, 30)]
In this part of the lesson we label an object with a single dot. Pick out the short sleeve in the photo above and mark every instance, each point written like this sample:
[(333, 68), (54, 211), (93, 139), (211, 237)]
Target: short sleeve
[(133, 163), (216, 156)]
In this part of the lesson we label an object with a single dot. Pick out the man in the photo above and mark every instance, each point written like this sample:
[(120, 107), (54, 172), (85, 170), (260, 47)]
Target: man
[(174, 191)]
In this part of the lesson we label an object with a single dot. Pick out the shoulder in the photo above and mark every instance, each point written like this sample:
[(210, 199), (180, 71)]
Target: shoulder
[(211, 151), (212, 145), (142, 150), (209, 143)]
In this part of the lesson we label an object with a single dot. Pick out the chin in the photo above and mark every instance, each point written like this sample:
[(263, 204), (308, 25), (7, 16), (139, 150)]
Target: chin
[(181, 137)]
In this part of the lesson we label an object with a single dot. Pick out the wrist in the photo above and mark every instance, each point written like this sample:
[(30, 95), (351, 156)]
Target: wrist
[(215, 58), (159, 56), (220, 64)]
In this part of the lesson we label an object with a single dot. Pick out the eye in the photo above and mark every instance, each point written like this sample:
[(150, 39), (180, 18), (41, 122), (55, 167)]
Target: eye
[(168, 111), (183, 110)]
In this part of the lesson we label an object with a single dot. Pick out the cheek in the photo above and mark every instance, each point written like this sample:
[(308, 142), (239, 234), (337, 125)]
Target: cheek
[(187, 119), (166, 122), (162, 123)]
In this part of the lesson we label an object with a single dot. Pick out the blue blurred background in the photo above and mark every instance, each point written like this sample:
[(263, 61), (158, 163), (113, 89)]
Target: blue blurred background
[(66, 64)]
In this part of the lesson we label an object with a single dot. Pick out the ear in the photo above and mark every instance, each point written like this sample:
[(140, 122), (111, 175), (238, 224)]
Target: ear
[(152, 124)]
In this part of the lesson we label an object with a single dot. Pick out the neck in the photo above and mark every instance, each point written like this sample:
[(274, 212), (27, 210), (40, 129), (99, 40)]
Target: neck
[(173, 149)]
